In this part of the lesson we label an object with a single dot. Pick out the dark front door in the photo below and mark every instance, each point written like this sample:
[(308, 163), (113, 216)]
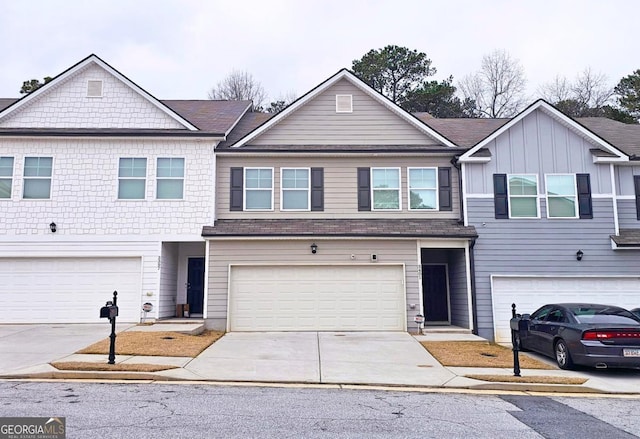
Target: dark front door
[(434, 293), (195, 285)]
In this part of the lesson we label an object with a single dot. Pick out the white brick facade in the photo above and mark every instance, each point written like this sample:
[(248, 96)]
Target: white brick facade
[(84, 189), (67, 106)]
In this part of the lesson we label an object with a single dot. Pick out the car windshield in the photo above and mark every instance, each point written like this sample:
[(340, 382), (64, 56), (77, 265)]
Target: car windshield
[(586, 314)]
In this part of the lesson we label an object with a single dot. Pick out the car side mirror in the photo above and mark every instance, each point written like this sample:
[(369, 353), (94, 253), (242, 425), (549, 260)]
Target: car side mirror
[(525, 317)]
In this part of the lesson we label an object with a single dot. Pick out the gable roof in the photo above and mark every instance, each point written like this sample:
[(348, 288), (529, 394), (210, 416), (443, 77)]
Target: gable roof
[(541, 104), (94, 59), (210, 115), (353, 79)]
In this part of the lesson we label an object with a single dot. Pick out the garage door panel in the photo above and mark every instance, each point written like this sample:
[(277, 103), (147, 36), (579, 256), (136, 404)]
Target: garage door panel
[(317, 297), (531, 292), (68, 290)]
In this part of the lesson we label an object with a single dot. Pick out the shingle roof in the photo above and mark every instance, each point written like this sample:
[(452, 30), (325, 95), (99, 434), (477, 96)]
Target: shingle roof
[(627, 238), (391, 228), (625, 137), (464, 132), (209, 115), (249, 122), (5, 102)]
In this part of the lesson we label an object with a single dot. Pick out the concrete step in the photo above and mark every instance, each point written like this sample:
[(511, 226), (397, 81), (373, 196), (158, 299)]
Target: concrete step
[(446, 330), (187, 327)]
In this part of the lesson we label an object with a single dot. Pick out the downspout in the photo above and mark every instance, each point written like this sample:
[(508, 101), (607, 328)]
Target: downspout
[(472, 269), (456, 164)]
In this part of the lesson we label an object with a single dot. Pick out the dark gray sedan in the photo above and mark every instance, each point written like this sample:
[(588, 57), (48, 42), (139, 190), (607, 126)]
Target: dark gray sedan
[(583, 334)]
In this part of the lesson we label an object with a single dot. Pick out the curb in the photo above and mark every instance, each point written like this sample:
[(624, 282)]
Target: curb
[(151, 377)]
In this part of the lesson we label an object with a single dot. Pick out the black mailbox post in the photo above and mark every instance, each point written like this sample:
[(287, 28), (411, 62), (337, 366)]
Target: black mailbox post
[(110, 311), (515, 339)]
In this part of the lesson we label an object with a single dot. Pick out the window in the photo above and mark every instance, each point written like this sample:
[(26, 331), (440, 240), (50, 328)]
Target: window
[(523, 196), (295, 189), (385, 188), (6, 176), (561, 196), (423, 188), (132, 174), (170, 179), (258, 188), (37, 177)]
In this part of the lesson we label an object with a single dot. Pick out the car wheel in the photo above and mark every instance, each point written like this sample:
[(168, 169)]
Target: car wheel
[(563, 358)]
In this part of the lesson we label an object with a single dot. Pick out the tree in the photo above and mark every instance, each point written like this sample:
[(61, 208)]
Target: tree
[(438, 99), (281, 103), (628, 91), (239, 86), (33, 85), (498, 87), (587, 96), (393, 71)]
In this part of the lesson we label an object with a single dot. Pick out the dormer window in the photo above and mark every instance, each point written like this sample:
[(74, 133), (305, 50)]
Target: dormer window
[(344, 104), (94, 88)]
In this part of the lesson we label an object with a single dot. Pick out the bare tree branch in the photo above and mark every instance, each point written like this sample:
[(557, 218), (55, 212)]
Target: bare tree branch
[(239, 86)]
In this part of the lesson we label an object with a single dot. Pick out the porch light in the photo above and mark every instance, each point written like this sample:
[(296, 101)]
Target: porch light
[(579, 255), (53, 227), (314, 248)]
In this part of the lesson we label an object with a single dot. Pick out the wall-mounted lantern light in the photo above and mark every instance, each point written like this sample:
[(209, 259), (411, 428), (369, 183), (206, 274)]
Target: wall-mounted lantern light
[(579, 255), (53, 227), (314, 248)]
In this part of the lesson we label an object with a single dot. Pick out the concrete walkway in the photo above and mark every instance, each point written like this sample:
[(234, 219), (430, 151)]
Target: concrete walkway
[(332, 358)]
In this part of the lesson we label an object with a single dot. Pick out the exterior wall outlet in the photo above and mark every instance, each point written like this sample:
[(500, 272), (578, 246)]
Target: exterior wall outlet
[(374, 257)]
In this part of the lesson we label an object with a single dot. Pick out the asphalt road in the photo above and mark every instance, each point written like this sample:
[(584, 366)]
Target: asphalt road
[(95, 410)]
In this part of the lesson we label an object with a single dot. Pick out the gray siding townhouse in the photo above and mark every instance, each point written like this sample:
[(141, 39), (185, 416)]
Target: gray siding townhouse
[(555, 204)]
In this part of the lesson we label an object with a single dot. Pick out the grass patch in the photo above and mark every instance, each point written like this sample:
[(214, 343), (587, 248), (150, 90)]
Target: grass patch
[(88, 366), (478, 354), (528, 379), (156, 343)]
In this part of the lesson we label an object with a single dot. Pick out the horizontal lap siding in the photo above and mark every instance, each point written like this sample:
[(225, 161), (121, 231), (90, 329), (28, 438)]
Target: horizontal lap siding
[(340, 185), (459, 299), (317, 123), (627, 214), (224, 253), (542, 247)]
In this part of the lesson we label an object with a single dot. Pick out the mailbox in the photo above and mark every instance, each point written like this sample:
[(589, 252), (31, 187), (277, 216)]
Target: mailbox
[(109, 311), (520, 323)]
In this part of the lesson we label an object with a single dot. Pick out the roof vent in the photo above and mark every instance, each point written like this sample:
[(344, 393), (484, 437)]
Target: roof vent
[(344, 104), (94, 88)]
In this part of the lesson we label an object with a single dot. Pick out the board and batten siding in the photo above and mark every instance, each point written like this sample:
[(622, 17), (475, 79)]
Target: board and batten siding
[(317, 123), (222, 253), (540, 145), (340, 186), (624, 179), (541, 247)]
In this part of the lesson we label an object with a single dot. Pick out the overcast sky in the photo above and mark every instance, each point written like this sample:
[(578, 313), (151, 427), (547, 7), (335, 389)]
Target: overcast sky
[(180, 49)]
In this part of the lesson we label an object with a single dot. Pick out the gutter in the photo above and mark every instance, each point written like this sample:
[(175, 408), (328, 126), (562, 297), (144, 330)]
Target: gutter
[(472, 272), (456, 164)]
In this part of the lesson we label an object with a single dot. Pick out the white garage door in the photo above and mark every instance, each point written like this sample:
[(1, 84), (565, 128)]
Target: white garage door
[(68, 290), (317, 298), (530, 293)]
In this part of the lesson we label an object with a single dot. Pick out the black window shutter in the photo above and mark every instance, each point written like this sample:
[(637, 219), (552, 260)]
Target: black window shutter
[(317, 189), (237, 182), (364, 189), (444, 189), (636, 184), (500, 197), (585, 208)]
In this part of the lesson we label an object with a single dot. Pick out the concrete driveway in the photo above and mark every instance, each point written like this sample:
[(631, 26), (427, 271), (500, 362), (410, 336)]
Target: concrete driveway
[(320, 357), (24, 346)]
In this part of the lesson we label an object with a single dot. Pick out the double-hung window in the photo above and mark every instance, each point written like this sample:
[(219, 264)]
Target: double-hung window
[(37, 177), (423, 188), (385, 188), (295, 189), (170, 179), (6, 176), (258, 188), (132, 178), (561, 196), (523, 196)]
